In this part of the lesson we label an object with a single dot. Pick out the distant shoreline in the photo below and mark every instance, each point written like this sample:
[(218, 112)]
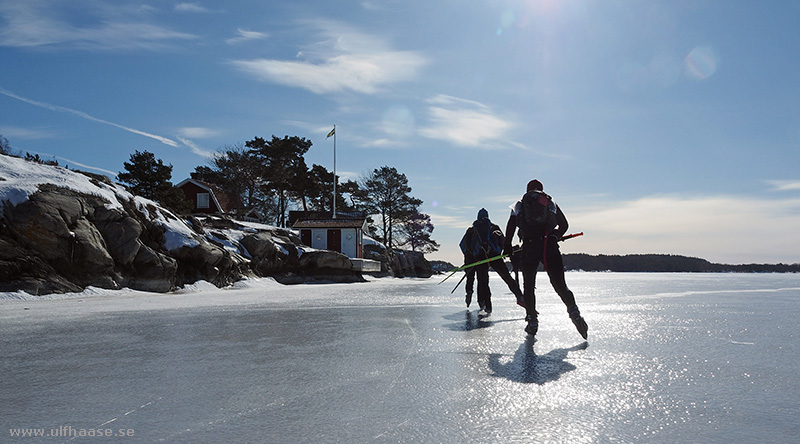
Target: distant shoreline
[(655, 263), (651, 263)]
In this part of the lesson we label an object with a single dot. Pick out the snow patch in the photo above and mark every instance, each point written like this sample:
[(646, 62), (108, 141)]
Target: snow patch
[(87, 293), (197, 287), (21, 178), (370, 241)]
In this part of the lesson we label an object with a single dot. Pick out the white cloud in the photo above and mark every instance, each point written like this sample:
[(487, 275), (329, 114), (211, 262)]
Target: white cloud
[(86, 116), (197, 132), (785, 185), (363, 73), (11, 132), (440, 220), (73, 164), (382, 143), (115, 36), (343, 60), (32, 24), (195, 148), (466, 123), (718, 228), (244, 35), (191, 7)]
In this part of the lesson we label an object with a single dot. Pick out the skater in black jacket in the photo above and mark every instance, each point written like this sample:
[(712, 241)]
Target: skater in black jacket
[(541, 225), (484, 240)]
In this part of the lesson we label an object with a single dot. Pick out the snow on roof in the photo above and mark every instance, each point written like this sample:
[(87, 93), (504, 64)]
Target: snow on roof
[(328, 223)]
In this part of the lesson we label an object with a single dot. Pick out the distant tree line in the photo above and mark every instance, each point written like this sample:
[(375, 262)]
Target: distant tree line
[(649, 263), (271, 177), (656, 263)]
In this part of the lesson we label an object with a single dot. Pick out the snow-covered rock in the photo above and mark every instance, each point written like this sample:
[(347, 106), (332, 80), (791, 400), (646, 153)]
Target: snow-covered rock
[(62, 231)]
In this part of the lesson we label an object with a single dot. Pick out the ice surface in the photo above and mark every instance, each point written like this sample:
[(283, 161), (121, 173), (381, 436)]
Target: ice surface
[(670, 358)]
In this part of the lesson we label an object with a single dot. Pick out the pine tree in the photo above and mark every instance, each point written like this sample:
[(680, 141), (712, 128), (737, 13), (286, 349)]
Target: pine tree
[(417, 231), (385, 192), (5, 147), (148, 177), (283, 166), (235, 171)]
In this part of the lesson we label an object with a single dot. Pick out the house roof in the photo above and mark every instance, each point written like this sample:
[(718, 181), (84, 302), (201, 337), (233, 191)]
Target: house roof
[(325, 219), (295, 216), (329, 223)]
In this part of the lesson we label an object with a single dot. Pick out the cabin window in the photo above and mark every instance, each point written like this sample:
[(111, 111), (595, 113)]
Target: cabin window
[(203, 200)]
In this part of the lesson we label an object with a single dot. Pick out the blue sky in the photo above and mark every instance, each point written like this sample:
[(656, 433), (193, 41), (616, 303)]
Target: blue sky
[(658, 126)]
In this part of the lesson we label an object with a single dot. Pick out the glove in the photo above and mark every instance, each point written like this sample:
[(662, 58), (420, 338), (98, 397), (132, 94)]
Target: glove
[(507, 249)]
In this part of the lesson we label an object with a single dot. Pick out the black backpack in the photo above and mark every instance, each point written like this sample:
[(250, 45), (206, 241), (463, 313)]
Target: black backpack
[(537, 215), (487, 239)]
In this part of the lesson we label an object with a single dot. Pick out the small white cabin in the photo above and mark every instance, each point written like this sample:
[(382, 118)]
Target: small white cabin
[(344, 234)]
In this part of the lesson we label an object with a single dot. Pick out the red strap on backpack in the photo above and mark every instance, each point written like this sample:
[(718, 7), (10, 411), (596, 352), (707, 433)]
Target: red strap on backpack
[(544, 252)]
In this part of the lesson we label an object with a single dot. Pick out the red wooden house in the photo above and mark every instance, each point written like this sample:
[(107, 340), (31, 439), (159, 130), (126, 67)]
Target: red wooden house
[(202, 197)]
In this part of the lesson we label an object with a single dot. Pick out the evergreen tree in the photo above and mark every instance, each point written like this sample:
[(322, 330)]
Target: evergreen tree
[(237, 174), (385, 192), (5, 147), (317, 190), (416, 232), (283, 168), (148, 177), (207, 175), (173, 198), (35, 158), (347, 190)]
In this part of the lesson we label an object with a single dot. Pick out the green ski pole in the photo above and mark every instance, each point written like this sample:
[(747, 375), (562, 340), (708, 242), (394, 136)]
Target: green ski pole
[(483, 261), (502, 256)]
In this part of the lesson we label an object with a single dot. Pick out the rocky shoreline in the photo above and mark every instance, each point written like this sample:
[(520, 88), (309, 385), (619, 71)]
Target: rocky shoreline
[(62, 239)]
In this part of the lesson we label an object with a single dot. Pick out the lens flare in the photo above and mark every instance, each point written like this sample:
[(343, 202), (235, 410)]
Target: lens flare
[(398, 121), (701, 63)]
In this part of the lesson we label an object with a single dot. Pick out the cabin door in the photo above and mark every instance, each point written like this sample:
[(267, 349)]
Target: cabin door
[(305, 237), (335, 240)]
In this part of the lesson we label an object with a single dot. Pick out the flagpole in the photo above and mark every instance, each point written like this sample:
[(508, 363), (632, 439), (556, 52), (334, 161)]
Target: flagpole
[(334, 171)]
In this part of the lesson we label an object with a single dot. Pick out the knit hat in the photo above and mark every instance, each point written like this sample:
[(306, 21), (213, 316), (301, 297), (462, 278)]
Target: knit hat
[(535, 185), (483, 214)]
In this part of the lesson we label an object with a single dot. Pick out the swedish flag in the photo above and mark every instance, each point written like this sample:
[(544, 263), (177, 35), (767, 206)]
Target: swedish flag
[(333, 131)]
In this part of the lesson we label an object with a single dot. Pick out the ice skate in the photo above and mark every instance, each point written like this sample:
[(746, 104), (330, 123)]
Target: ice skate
[(533, 325), (577, 319)]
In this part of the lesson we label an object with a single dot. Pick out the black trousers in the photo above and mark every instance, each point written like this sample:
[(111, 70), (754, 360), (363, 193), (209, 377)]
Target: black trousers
[(534, 252), (482, 276), (470, 279)]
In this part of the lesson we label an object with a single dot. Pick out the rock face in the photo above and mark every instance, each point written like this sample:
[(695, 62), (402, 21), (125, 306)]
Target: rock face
[(61, 239), (78, 241), (401, 263), (412, 264)]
